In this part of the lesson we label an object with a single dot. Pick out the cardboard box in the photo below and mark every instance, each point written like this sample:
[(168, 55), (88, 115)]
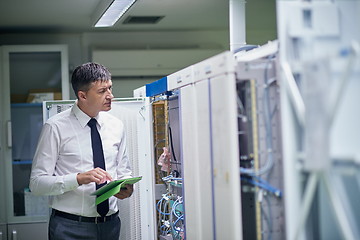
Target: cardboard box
[(18, 98), (46, 94)]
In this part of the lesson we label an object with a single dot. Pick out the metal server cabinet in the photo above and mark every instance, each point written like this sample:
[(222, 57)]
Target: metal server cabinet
[(207, 123), (210, 150), (203, 103), (258, 100)]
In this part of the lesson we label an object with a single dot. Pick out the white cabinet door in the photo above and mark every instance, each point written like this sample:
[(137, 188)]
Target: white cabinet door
[(3, 231), (38, 231)]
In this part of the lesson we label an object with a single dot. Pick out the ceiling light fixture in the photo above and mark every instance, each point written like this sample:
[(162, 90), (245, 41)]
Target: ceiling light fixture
[(113, 12)]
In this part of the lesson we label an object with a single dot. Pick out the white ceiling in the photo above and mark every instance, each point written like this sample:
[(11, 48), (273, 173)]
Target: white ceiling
[(17, 16)]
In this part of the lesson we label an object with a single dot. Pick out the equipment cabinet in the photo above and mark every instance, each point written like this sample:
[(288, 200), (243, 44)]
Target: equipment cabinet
[(28, 75)]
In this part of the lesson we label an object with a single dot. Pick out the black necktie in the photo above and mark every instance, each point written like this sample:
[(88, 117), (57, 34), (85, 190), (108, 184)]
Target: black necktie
[(98, 157)]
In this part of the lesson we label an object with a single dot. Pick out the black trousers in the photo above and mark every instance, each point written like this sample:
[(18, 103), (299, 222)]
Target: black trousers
[(65, 229)]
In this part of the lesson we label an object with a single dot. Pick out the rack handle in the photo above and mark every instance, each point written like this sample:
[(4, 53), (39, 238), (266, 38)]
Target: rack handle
[(9, 134), (14, 234)]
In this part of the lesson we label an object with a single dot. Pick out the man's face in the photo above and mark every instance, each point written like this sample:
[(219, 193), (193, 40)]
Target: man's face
[(98, 97)]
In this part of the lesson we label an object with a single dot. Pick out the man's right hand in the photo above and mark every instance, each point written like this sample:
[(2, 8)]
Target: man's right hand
[(96, 175)]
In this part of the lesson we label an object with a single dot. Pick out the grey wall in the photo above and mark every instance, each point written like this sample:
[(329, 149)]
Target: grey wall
[(260, 21)]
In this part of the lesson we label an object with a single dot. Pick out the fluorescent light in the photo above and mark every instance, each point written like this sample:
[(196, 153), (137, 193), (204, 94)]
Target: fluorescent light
[(113, 13)]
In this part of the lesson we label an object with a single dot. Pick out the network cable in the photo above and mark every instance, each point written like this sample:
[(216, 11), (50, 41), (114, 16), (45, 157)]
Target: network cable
[(261, 183), (178, 224), (161, 206), (161, 203)]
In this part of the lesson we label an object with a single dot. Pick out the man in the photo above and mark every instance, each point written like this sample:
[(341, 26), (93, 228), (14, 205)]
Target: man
[(68, 164)]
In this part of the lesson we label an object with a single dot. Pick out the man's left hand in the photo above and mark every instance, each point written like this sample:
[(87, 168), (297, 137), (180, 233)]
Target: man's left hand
[(125, 192)]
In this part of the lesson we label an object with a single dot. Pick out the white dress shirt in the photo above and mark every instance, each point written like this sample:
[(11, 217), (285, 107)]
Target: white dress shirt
[(64, 150)]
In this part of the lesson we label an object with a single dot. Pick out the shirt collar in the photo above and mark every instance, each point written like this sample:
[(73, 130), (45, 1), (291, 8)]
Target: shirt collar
[(83, 118)]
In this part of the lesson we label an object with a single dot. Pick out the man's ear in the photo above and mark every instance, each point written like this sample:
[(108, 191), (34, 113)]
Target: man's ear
[(81, 95)]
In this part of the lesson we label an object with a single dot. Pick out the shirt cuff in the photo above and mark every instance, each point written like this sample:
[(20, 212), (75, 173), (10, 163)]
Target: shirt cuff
[(125, 177), (70, 182)]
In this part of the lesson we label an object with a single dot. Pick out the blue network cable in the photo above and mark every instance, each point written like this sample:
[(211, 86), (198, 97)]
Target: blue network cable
[(158, 207), (179, 217), (259, 182)]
